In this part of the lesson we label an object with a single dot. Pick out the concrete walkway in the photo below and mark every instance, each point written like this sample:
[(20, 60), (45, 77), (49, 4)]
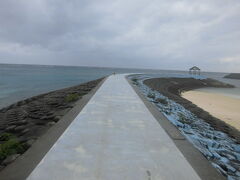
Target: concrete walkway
[(114, 137)]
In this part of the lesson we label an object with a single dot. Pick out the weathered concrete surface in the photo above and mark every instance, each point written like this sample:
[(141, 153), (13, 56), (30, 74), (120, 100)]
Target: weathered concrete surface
[(114, 137)]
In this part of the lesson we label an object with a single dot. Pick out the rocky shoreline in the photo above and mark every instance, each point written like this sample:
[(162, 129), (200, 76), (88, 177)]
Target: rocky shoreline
[(22, 123), (233, 76), (173, 87), (205, 133)]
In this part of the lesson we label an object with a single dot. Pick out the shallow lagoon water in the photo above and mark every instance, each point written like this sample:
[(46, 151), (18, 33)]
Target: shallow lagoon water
[(231, 92)]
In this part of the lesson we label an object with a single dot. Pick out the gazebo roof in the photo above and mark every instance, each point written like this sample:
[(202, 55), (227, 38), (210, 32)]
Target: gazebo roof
[(195, 68)]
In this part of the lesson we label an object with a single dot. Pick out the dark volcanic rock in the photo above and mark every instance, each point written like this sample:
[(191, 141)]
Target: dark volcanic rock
[(47, 117), (19, 128), (23, 122), (51, 123), (24, 131), (29, 143), (11, 128)]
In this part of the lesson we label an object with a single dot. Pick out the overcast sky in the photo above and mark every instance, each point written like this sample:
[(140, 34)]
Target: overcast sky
[(162, 34)]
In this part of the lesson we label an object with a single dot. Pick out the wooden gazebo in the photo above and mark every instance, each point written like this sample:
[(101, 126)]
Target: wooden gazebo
[(194, 70)]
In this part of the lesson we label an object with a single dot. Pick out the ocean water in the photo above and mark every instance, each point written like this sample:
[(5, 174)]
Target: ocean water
[(18, 82)]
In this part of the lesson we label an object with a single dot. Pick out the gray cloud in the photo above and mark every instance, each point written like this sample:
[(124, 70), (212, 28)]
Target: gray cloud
[(138, 33)]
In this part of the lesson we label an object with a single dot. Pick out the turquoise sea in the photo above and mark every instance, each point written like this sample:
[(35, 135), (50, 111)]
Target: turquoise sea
[(18, 82)]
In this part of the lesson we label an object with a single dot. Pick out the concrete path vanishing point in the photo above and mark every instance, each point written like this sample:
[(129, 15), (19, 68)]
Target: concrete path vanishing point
[(114, 137)]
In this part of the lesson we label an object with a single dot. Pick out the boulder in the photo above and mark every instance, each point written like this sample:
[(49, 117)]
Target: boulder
[(22, 122), (47, 117), (25, 131), (11, 128), (29, 143), (19, 128), (51, 123)]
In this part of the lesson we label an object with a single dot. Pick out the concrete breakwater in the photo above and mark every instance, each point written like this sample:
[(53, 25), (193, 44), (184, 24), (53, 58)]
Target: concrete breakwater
[(114, 137)]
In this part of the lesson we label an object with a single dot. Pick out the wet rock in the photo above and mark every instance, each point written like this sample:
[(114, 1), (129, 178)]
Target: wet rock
[(216, 145), (16, 115), (53, 103), (41, 123), (49, 113), (10, 159), (10, 128), (51, 123), (34, 116), (24, 131), (57, 118), (188, 131), (185, 121), (230, 168), (33, 110), (20, 103), (227, 154), (47, 117), (23, 139), (22, 122), (29, 143), (19, 128)]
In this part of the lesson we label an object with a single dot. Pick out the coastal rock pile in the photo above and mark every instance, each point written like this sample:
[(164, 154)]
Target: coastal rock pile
[(233, 76), (25, 121), (173, 87), (218, 147)]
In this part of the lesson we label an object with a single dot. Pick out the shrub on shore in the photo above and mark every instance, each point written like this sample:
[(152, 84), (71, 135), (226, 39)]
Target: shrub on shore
[(10, 146), (71, 97), (5, 136)]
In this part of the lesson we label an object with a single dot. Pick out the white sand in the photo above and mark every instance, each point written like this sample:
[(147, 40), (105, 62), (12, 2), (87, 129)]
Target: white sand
[(220, 106)]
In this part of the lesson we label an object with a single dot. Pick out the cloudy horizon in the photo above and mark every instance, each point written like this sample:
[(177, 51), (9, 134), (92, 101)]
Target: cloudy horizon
[(155, 34)]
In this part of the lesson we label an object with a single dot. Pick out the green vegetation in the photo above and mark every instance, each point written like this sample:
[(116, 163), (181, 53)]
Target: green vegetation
[(162, 101), (10, 146), (71, 97), (6, 136), (151, 95)]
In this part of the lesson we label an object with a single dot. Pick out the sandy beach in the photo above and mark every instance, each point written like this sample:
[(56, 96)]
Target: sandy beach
[(223, 107)]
